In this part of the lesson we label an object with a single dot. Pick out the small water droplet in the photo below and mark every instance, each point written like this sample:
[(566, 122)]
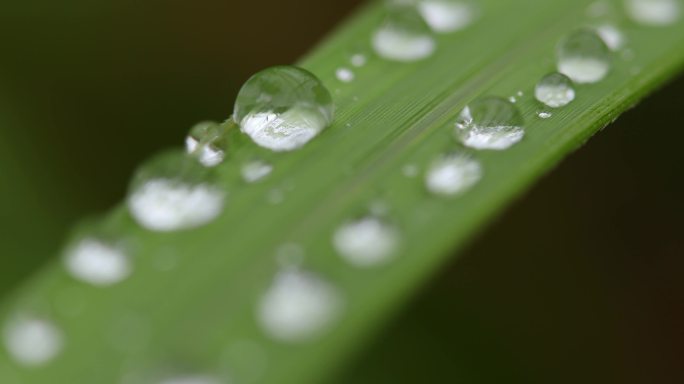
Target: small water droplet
[(255, 170), (96, 262), (358, 60), (410, 170), (283, 108), (344, 75), (208, 142), (555, 90), (453, 175), (584, 57), (275, 196), (612, 36), (446, 16), (367, 242), (404, 36), (653, 13), (32, 341), (174, 192), (298, 306), (544, 114), (520, 94), (490, 123)]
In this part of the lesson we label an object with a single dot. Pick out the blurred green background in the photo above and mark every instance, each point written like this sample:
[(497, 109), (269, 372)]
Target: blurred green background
[(580, 281)]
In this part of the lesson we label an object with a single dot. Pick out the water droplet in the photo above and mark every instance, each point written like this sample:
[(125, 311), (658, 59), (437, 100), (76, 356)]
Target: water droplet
[(404, 36), (275, 196), (544, 114), (512, 99), (453, 174), (255, 170), (32, 341), (207, 141), (520, 94), (358, 60), (344, 75), (611, 35), (96, 262), (410, 170), (283, 108), (584, 57), (653, 13), (298, 306), (447, 15), (367, 242), (555, 90), (173, 192), (490, 123)]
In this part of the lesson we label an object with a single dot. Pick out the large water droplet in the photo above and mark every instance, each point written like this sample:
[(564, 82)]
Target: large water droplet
[(32, 341), (490, 123), (404, 36), (298, 306), (208, 142), (367, 242), (453, 174), (97, 262), (447, 15), (282, 108), (584, 57), (654, 12), (255, 170), (174, 192), (555, 90)]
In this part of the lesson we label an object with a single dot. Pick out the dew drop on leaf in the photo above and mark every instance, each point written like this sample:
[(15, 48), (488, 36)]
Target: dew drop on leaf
[(490, 123), (555, 90), (282, 108), (174, 192), (452, 175)]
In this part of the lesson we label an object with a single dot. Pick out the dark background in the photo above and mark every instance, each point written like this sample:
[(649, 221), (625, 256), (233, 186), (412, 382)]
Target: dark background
[(580, 281)]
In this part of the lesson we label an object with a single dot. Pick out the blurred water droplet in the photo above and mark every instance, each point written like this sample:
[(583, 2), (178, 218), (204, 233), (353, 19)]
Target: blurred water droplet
[(275, 196), (367, 242), (96, 262), (174, 192), (208, 142), (298, 306), (654, 13), (612, 36), (544, 114), (584, 57), (358, 60), (453, 175), (32, 341), (490, 123), (344, 75), (283, 108), (446, 16), (512, 99), (255, 170), (404, 36), (555, 90)]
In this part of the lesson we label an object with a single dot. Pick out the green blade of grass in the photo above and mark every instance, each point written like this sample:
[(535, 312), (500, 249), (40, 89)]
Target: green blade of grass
[(391, 115)]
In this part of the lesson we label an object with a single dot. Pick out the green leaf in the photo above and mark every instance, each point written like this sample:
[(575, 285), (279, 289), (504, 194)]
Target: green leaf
[(199, 316)]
